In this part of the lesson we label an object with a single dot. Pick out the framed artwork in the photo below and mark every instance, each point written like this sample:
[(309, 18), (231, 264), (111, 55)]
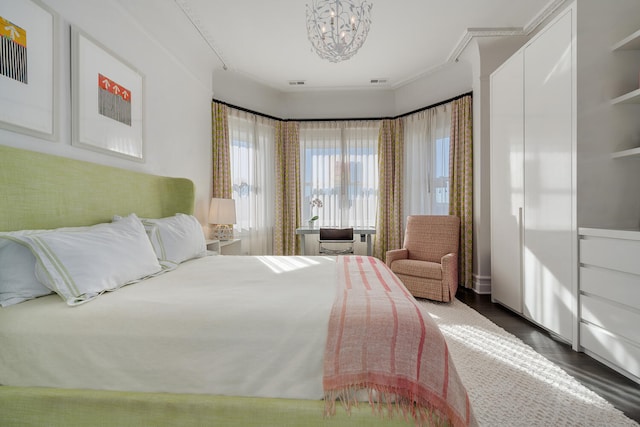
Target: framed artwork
[(107, 104), (28, 68)]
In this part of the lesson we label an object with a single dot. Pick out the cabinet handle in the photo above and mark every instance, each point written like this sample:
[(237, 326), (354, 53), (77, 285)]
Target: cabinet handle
[(520, 224), (521, 249)]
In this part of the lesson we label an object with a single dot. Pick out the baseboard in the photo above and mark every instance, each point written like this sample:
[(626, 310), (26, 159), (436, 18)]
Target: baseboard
[(608, 364), (481, 284)]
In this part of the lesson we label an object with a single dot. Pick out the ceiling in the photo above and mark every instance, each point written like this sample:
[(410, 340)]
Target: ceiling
[(266, 41)]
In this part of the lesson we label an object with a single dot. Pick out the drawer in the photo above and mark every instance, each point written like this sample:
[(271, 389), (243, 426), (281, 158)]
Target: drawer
[(615, 254), (610, 284), (612, 317), (610, 347)]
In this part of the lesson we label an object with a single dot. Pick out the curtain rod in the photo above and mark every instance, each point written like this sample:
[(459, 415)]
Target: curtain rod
[(437, 104), (246, 110)]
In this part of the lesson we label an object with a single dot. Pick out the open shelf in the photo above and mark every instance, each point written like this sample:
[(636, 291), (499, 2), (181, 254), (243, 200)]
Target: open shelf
[(631, 153), (628, 98), (629, 43)]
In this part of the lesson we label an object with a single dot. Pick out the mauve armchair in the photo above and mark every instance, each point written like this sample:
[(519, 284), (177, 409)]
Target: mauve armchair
[(428, 262)]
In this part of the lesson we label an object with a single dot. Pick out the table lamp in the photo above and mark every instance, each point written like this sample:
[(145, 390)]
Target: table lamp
[(222, 214)]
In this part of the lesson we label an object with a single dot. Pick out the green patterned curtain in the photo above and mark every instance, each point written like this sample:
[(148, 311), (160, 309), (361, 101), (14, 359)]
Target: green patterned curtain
[(220, 151), (391, 172), (285, 240), (461, 182)]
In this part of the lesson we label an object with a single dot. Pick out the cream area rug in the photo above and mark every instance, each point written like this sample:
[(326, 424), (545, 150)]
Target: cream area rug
[(510, 384)]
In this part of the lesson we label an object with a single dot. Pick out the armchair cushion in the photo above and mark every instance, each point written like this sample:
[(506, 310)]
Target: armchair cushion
[(412, 267)]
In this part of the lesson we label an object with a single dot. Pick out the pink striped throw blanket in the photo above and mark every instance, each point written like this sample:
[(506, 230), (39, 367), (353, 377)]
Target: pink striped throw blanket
[(381, 340)]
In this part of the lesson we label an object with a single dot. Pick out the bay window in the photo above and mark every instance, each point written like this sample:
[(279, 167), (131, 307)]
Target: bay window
[(339, 171)]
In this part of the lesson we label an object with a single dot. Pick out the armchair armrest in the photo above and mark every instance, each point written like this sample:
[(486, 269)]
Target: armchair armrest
[(449, 264), (449, 260), (396, 254)]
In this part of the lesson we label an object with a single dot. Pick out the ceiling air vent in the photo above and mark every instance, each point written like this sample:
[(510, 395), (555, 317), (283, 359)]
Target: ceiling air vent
[(296, 82), (378, 81)]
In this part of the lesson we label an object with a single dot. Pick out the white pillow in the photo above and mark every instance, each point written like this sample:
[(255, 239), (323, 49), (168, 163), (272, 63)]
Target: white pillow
[(176, 239), (80, 264), (18, 280)]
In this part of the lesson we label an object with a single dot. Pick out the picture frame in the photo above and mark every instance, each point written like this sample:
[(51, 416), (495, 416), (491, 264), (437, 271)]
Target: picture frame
[(29, 74), (107, 100)]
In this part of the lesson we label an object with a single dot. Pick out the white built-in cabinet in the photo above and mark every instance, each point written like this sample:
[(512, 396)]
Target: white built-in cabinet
[(610, 298), (609, 280), (533, 180)]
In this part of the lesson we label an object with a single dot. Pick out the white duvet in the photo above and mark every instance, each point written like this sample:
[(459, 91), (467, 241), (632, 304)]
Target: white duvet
[(238, 326)]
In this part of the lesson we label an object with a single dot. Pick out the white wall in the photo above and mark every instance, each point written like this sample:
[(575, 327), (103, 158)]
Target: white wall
[(177, 97), (236, 89), (340, 104), (448, 81)]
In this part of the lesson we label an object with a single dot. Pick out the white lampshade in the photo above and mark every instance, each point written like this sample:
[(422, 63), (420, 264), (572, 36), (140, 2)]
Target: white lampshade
[(222, 211)]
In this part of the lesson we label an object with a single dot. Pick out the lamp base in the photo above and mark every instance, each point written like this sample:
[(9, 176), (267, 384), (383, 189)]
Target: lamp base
[(222, 232)]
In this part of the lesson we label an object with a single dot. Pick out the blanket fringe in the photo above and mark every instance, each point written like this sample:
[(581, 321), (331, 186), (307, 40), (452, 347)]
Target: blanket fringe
[(385, 402)]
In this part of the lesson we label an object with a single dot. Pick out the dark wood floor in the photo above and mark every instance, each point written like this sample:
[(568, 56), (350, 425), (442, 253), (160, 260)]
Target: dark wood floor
[(621, 392)]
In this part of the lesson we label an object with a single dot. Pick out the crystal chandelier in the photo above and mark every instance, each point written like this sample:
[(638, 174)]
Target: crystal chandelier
[(338, 28)]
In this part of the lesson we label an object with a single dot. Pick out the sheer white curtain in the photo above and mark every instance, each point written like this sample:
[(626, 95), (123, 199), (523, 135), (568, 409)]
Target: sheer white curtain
[(339, 166), (426, 144), (252, 146)]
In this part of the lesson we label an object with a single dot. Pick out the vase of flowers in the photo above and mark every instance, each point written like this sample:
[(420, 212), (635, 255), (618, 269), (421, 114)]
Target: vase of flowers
[(315, 203)]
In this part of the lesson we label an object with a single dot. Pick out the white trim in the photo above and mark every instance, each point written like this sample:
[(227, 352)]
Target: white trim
[(481, 284), (197, 24), (549, 10), (470, 33)]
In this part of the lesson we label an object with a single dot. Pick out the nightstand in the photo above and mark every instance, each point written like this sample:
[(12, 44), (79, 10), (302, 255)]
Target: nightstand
[(224, 247), (213, 245), (230, 247)]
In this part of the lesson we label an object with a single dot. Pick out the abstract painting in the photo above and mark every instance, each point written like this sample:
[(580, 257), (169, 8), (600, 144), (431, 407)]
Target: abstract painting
[(28, 63), (107, 99)]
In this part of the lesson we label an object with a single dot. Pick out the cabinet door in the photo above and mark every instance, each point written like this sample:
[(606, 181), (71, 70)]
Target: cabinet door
[(507, 127), (549, 229)]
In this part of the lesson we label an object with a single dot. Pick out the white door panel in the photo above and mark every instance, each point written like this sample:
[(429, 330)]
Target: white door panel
[(507, 127), (548, 219)]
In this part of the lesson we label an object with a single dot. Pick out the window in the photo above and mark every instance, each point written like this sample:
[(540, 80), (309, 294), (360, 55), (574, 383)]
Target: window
[(339, 167), (441, 177), (252, 142), (426, 145)]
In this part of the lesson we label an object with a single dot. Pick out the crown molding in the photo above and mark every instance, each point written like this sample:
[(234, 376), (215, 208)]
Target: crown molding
[(544, 14), (470, 33)]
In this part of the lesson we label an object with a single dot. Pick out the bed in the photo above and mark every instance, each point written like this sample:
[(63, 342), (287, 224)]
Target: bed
[(206, 340)]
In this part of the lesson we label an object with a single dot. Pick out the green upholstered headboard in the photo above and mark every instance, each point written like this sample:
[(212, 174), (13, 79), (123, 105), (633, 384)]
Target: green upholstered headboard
[(41, 191)]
